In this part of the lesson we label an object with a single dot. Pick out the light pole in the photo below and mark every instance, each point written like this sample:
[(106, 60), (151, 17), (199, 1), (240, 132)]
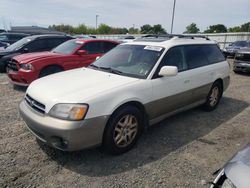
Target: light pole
[(96, 21), (172, 24)]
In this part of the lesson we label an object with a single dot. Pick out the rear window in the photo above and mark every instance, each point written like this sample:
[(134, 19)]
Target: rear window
[(213, 53)]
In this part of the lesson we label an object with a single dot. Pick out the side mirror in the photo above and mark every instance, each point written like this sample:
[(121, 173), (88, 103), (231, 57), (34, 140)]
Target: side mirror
[(81, 52), (168, 71)]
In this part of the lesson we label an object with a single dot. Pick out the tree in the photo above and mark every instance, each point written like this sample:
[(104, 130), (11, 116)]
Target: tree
[(158, 29), (133, 30), (104, 29), (245, 27), (192, 28), (146, 29), (219, 28)]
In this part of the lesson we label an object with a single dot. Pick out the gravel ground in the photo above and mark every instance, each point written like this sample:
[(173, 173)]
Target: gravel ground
[(181, 151)]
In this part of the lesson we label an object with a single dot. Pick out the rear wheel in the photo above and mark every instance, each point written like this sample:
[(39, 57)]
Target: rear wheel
[(213, 97), (50, 70), (123, 130)]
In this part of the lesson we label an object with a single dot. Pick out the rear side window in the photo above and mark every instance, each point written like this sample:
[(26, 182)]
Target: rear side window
[(37, 45), (213, 53), (94, 47), (16, 37), (195, 56), (108, 46), (54, 42)]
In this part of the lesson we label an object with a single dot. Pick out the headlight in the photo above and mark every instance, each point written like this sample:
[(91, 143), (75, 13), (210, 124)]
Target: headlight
[(26, 66), (74, 112)]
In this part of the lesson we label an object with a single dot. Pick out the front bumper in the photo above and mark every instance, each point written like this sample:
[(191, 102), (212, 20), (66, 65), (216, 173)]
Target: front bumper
[(22, 78), (62, 134), (241, 66)]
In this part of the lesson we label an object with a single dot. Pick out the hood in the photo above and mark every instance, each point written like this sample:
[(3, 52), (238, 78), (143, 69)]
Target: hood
[(238, 168), (25, 58), (75, 86)]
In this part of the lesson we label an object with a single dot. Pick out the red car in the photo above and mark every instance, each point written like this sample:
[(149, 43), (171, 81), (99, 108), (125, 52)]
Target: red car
[(25, 68)]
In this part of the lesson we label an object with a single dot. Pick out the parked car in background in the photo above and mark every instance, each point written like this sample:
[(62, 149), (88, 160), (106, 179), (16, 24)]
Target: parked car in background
[(236, 173), (35, 43), (133, 86), (126, 38), (83, 36), (234, 47), (242, 61), (11, 38), (3, 45), (25, 68)]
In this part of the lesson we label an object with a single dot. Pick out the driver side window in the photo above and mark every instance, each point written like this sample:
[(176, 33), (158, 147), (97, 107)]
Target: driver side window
[(175, 57)]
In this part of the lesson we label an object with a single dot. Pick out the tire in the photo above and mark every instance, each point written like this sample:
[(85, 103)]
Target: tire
[(119, 136), (50, 70), (213, 97)]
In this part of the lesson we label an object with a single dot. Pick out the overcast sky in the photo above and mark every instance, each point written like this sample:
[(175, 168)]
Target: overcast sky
[(125, 13)]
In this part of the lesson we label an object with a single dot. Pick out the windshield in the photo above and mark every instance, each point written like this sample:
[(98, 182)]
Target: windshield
[(19, 44), (68, 47), (130, 60), (241, 43)]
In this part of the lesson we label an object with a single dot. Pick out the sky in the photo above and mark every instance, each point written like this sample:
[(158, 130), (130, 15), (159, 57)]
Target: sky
[(124, 13)]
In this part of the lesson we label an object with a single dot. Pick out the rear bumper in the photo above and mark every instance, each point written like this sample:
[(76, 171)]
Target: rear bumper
[(62, 134), (242, 66)]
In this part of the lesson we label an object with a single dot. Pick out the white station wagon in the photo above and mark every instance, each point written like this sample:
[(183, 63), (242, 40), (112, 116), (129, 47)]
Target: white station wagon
[(133, 86)]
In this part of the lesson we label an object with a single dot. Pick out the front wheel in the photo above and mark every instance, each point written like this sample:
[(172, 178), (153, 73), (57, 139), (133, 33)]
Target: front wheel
[(123, 130), (213, 97)]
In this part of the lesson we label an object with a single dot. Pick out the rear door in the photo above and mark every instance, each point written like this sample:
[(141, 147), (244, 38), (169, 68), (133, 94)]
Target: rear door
[(202, 71)]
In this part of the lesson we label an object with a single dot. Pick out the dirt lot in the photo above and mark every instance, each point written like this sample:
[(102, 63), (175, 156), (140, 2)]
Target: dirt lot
[(181, 151)]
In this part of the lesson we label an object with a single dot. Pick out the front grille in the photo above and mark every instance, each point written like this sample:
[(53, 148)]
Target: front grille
[(244, 57), (12, 65), (39, 107)]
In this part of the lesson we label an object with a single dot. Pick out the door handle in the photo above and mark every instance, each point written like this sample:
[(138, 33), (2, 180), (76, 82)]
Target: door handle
[(186, 81)]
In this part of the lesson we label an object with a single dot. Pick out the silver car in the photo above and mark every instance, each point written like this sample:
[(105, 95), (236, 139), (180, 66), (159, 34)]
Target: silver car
[(236, 173)]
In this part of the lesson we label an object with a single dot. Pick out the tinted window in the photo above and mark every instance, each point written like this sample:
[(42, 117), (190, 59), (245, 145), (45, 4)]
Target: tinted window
[(195, 56), (53, 42), (93, 47), (213, 53), (3, 37), (108, 46), (174, 57), (15, 37), (37, 45)]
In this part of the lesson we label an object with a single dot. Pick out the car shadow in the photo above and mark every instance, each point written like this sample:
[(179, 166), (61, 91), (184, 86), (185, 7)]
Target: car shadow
[(159, 140), (20, 88)]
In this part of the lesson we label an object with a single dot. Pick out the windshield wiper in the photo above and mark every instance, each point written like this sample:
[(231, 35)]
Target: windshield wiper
[(94, 66), (109, 69)]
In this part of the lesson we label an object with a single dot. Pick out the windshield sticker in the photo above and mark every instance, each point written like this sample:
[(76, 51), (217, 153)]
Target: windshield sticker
[(79, 42), (153, 48)]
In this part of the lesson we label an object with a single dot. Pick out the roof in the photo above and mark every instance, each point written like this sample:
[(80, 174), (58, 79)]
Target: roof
[(48, 36), (34, 30), (167, 41)]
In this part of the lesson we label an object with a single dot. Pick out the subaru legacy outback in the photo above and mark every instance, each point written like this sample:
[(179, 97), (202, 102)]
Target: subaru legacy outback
[(133, 86)]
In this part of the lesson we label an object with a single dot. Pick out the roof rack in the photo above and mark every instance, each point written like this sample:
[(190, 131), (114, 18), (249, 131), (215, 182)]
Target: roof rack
[(161, 38)]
